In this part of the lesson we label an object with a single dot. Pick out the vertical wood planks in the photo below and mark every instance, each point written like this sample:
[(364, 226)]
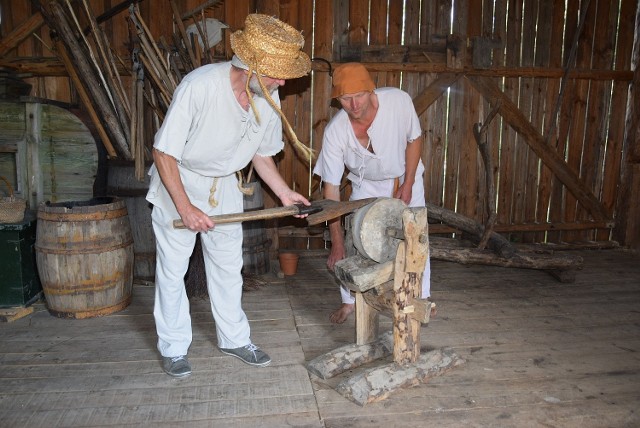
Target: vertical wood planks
[(546, 183), (588, 134), (615, 135)]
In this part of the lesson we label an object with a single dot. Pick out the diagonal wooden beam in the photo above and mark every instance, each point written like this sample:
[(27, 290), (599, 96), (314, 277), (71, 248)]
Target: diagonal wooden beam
[(514, 117), (20, 33), (422, 102)]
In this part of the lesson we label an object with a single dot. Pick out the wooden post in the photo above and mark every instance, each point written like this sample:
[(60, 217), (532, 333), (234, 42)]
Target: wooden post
[(409, 267), (366, 321)]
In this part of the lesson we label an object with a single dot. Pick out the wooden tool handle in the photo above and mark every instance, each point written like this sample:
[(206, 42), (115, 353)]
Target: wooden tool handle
[(270, 213)]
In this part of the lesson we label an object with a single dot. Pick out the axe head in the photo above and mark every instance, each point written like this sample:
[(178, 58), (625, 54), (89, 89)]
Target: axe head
[(332, 209)]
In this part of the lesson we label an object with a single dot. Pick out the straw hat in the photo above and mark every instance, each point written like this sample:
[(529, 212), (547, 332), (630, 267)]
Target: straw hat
[(350, 78), (271, 48)]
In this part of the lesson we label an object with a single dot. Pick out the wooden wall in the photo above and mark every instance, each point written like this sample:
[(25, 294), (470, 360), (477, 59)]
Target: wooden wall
[(559, 72)]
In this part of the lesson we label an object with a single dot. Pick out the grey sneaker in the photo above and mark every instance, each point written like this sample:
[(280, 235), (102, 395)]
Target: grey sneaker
[(250, 354), (176, 366)]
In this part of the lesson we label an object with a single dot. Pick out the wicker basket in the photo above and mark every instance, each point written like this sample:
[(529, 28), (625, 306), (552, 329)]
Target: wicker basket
[(11, 208)]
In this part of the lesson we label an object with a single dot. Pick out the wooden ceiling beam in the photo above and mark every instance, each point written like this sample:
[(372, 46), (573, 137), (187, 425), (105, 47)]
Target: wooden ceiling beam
[(52, 66)]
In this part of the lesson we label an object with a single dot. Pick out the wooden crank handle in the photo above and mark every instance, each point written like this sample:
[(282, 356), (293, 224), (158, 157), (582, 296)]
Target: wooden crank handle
[(297, 209)]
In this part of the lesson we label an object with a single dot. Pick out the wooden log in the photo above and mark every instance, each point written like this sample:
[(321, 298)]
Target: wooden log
[(58, 20), (360, 274), (496, 242), (350, 356), (12, 314), (378, 383), (523, 261)]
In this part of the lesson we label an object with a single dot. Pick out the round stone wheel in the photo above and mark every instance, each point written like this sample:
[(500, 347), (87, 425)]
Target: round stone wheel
[(369, 227)]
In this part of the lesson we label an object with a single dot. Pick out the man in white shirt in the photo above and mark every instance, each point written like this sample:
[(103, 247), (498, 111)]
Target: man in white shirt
[(377, 137), (214, 128)]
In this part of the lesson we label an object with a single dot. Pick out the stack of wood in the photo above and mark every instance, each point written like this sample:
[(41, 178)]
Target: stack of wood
[(92, 67), (95, 70)]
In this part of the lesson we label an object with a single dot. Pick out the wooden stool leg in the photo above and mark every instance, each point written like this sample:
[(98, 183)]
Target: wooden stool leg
[(367, 321)]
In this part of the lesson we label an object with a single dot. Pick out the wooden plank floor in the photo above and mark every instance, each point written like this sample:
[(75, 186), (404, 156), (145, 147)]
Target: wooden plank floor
[(538, 353)]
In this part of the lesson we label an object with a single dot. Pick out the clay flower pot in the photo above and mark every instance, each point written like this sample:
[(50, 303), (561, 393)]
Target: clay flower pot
[(288, 263)]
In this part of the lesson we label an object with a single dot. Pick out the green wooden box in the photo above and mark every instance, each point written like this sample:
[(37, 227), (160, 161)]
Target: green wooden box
[(19, 282)]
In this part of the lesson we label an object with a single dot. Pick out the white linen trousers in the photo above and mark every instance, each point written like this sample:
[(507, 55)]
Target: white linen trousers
[(222, 251)]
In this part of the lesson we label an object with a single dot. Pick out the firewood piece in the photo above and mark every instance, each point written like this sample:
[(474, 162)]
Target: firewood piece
[(12, 314), (378, 383), (350, 356)]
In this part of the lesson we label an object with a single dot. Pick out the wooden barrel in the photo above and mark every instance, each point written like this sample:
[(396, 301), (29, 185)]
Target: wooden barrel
[(84, 253), (121, 182), (255, 244)]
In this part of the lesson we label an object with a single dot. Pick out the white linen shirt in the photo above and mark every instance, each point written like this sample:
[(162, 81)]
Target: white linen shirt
[(209, 133), (371, 174)]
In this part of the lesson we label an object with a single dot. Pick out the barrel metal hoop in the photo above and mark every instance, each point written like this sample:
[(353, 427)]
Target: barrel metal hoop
[(84, 250)]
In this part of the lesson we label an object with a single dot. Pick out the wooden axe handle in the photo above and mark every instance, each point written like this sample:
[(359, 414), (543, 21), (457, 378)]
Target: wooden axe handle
[(269, 213)]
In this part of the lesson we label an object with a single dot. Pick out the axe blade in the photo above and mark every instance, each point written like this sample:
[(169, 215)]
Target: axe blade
[(332, 209)]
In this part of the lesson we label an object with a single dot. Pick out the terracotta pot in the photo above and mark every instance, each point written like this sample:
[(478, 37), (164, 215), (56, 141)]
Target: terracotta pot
[(288, 263)]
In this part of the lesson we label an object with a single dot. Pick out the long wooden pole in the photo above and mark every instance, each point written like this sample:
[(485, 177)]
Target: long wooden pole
[(183, 33), (58, 20), (86, 100)]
